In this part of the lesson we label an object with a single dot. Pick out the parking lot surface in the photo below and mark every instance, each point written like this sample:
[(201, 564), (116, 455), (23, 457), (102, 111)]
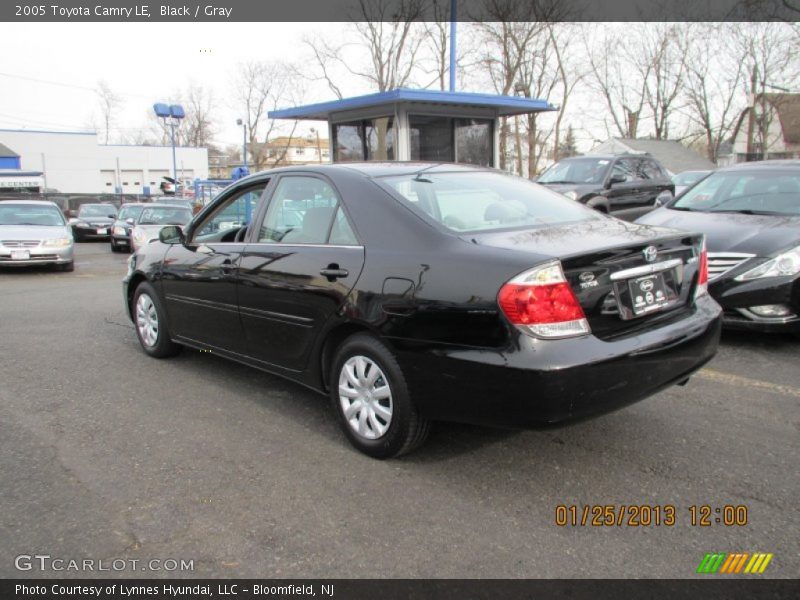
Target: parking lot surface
[(106, 453)]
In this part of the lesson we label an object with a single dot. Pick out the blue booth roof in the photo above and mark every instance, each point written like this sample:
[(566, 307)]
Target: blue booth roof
[(503, 105)]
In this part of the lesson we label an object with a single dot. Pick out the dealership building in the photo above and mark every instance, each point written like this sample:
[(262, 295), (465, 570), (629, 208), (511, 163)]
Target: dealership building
[(75, 162)]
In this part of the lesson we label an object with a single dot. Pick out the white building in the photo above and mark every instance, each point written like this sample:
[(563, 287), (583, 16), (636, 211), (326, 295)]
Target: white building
[(73, 162)]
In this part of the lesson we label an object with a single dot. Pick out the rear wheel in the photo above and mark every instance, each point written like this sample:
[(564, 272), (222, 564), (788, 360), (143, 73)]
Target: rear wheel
[(150, 322), (370, 397)]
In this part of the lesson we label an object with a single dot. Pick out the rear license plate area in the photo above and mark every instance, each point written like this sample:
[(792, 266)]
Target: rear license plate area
[(648, 294)]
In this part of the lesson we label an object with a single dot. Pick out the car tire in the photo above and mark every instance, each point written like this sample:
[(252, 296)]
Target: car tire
[(114, 247), (598, 203), (68, 267), (370, 398), (150, 323)]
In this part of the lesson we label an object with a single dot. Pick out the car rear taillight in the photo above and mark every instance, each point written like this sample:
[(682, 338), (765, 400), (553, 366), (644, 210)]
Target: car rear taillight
[(702, 271), (541, 303)]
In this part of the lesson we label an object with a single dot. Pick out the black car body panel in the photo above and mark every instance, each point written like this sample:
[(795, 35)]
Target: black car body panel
[(738, 243), (431, 296)]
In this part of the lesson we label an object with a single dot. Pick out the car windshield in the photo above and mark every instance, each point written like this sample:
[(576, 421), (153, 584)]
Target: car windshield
[(576, 170), (130, 212), (762, 191), (30, 214), (485, 201), (96, 210), (165, 215), (688, 177)]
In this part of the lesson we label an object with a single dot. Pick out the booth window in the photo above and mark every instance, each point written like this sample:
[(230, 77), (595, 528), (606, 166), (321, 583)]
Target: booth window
[(445, 139), (370, 139)]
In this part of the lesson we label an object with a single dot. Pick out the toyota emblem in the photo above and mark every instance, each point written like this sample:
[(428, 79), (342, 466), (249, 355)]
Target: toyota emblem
[(650, 253)]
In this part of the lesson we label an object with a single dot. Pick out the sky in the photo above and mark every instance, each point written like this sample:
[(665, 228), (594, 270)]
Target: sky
[(50, 70)]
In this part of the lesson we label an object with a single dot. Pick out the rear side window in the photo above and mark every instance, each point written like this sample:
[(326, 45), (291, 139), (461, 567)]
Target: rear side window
[(485, 201)]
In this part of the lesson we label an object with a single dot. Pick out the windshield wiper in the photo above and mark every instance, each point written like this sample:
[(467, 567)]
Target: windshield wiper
[(556, 182), (686, 208), (749, 211)]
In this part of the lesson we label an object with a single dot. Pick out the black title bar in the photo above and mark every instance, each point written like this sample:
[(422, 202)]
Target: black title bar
[(144, 11)]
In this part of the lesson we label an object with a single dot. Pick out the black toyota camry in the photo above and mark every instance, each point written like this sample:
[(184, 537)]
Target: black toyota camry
[(750, 214), (411, 293)]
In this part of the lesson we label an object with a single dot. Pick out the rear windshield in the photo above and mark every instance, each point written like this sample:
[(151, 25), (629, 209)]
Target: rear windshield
[(768, 192), (485, 201), (30, 214)]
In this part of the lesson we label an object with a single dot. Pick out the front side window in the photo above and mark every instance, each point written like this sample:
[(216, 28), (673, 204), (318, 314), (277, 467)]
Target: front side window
[(234, 213), (485, 201), (302, 211)]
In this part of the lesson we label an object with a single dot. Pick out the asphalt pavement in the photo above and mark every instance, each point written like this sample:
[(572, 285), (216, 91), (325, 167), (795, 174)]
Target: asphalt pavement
[(108, 454)]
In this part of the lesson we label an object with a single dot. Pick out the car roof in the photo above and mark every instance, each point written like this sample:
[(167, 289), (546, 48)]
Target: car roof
[(765, 164), (165, 205), (610, 156), (31, 202), (369, 169)]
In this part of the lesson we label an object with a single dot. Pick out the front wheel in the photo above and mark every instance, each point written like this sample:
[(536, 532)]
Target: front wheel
[(150, 323), (370, 397)]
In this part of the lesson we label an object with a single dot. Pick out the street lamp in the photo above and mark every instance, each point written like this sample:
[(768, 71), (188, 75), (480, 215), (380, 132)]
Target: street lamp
[(171, 114), (244, 143)]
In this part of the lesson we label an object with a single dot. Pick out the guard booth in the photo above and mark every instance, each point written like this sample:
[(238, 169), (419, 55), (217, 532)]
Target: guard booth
[(424, 125)]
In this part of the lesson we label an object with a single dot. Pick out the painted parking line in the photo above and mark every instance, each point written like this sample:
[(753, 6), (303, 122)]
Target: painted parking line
[(738, 380)]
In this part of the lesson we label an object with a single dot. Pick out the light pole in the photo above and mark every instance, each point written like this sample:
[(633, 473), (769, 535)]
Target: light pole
[(244, 142), (171, 114)]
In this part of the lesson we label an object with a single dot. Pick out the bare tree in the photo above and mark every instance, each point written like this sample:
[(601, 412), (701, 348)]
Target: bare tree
[(262, 86), (109, 103), (662, 67), (621, 87), (712, 86), (768, 51), (389, 31), (198, 128), (507, 31)]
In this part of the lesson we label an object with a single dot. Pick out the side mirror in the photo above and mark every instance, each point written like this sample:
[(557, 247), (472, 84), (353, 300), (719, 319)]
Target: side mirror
[(73, 213), (171, 234), (129, 221), (617, 179), (72, 220)]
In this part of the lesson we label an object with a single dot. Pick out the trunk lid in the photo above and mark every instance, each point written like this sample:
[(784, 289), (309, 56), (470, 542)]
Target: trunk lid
[(625, 276)]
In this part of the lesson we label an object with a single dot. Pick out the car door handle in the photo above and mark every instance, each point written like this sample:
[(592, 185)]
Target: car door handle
[(227, 265), (333, 272)]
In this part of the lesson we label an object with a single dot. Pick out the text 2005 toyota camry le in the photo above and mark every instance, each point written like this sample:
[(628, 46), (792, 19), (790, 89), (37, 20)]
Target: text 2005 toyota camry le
[(415, 292)]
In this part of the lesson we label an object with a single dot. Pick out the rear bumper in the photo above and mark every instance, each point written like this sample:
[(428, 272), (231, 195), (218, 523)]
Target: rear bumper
[(544, 383)]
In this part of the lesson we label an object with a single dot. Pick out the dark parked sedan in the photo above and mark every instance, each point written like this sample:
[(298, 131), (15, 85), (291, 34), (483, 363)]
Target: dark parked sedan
[(93, 221), (750, 214), (419, 292), (122, 227)]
